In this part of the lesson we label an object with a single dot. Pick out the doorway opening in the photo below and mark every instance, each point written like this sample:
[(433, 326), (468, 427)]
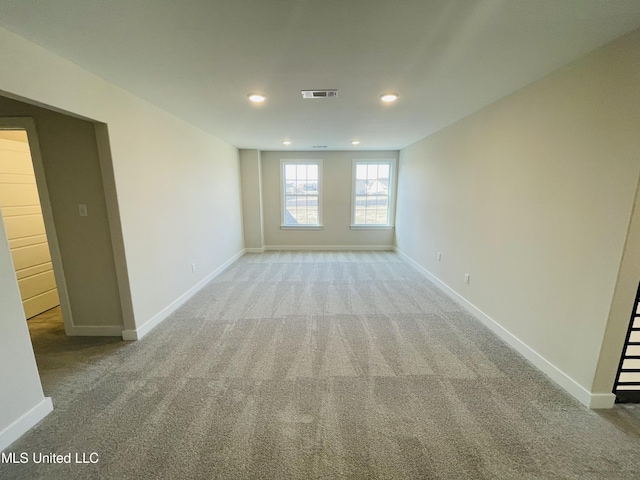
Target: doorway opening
[(21, 213), (27, 215)]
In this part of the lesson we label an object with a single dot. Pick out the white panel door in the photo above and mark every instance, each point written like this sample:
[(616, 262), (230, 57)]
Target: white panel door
[(24, 225)]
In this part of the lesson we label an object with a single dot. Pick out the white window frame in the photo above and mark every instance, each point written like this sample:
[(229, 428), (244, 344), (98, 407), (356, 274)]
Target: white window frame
[(283, 194), (391, 193)]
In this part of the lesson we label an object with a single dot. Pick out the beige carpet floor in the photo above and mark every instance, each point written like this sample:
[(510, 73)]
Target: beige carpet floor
[(310, 365)]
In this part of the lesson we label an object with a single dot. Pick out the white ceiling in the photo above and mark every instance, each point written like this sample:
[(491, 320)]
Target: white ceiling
[(198, 59)]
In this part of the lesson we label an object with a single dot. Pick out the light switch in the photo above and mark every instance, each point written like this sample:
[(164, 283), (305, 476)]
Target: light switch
[(82, 209)]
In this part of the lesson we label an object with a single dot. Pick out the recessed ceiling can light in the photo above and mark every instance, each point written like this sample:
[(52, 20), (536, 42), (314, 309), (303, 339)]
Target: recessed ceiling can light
[(257, 97), (355, 142), (389, 97), (286, 142)]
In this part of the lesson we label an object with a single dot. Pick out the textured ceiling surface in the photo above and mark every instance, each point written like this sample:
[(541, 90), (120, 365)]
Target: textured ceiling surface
[(198, 59)]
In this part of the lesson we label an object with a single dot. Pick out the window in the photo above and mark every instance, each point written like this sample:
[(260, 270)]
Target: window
[(301, 193), (372, 193)]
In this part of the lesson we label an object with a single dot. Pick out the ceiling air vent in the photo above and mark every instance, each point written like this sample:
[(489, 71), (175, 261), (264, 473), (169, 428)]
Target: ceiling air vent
[(318, 146), (319, 93)]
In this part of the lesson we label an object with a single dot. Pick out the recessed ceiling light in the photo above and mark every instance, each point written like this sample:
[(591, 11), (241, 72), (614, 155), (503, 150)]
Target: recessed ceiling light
[(257, 97), (286, 142), (389, 97), (355, 142)]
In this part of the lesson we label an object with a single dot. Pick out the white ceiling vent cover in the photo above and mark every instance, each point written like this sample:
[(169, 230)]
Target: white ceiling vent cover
[(319, 93)]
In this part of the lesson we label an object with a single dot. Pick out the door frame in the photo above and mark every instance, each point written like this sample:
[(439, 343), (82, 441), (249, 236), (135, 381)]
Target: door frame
[(29, 125)]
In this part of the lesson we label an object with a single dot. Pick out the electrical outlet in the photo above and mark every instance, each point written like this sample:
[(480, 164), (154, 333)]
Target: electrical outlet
[(439, 256), (193, 267), (82, 209), (467, 277)]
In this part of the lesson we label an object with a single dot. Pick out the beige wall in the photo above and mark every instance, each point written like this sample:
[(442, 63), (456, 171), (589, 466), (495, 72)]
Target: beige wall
[(621, 306), (336, 202), (532, 197), (251, 175), (177, 187), (179, 195), (20, 390)]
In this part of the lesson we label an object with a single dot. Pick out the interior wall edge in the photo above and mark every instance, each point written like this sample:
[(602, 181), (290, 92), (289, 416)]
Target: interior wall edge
[(621, 306), (105, 159), (25, 423)]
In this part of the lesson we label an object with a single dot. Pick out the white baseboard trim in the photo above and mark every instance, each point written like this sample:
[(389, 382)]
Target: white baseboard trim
[(328, 247), (601, 400), (146, 327), (584, 396), (96, 331), (254, 250), (25, 423)]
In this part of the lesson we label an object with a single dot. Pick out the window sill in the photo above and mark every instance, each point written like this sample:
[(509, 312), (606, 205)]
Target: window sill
[(372, 227), (301, 227)]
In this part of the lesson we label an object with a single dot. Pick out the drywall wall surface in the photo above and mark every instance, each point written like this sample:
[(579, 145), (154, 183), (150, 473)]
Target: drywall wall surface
[(178, 188), (621, 307), (532, 197), (251, 176), (20, 389), (336, 185), (72, 169), (180, 205)]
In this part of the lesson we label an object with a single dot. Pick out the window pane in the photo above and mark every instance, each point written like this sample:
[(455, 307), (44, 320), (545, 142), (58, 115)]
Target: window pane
[(382, 215), (290, 211), (312, 210), (370, 217), (360, 202), (303, 218), (290, 172), (309, 187), (371, 193), (301, 188), (290, 188)]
